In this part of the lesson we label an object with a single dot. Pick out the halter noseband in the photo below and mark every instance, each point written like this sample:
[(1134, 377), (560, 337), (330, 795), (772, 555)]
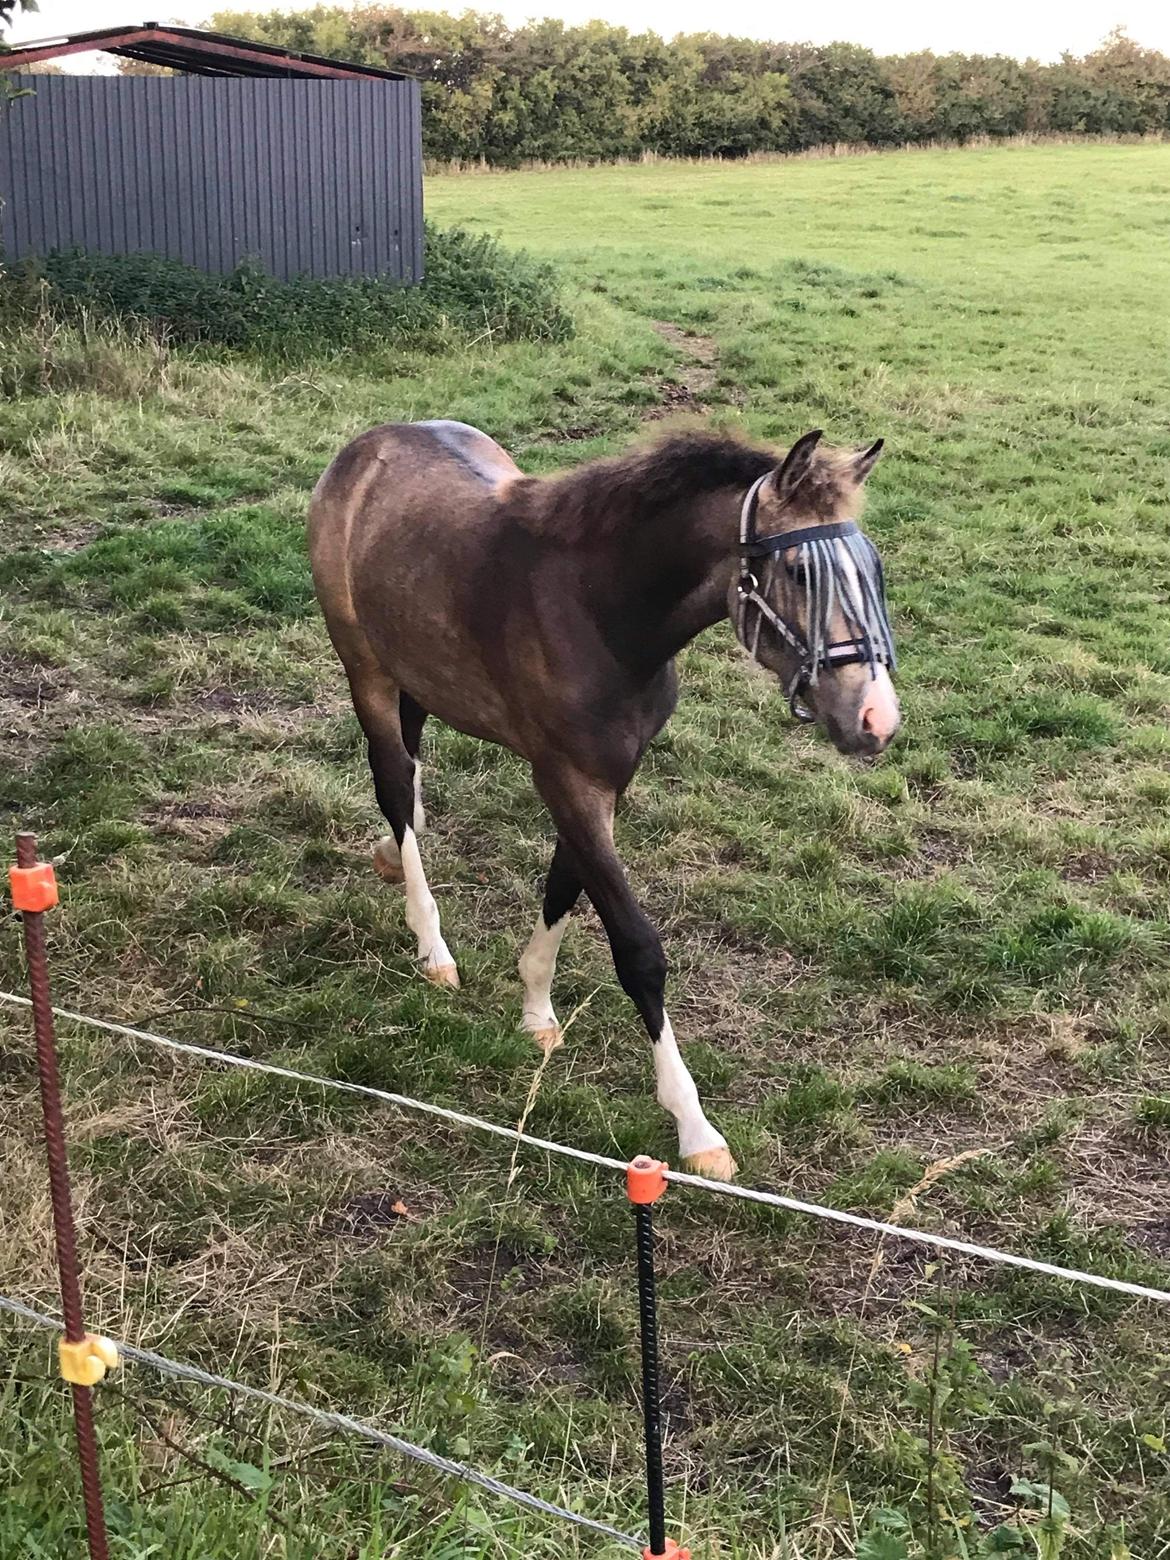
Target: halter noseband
[(863, 606)]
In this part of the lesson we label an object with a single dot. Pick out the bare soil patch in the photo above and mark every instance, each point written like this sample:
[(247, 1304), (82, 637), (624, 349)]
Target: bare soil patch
[(696, 376)]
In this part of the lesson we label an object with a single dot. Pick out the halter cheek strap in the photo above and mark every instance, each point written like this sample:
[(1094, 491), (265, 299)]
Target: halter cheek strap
[(748, 589)]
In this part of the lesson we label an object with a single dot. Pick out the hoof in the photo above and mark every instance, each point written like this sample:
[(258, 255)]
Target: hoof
[(387, 867), (714, 1163), (443, 975), (548, 1040)]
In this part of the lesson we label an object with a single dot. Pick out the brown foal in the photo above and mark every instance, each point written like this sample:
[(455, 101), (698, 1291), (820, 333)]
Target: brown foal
[(545, 613)]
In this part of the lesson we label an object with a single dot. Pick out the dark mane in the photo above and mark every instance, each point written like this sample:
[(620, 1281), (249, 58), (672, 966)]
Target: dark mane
[(601, 494)]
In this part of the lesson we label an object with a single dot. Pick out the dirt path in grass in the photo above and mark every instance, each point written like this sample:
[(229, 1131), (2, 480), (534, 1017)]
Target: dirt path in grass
[(696, 373)]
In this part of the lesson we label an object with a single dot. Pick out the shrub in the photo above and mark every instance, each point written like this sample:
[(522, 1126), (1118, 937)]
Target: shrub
[(475, 289)]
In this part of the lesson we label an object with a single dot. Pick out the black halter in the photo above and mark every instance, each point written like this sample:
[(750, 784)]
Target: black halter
[(825, 552)]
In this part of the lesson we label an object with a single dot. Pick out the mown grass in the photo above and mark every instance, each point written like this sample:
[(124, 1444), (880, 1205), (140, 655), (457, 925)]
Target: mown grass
[(961, 951)]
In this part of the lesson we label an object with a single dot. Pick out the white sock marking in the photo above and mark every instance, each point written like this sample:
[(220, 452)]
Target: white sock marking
[(422, 914), (678, 1095), (538, 964)]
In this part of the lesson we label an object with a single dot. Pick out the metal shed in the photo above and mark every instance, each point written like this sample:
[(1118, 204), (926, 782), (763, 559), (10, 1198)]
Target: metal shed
[(312, 166)]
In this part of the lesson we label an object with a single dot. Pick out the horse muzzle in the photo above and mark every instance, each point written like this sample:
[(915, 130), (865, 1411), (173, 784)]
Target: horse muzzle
[(861, 727)]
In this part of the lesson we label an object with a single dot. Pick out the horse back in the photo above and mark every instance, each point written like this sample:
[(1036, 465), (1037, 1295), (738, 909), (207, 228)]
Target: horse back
[(402, 491), (440, 575)]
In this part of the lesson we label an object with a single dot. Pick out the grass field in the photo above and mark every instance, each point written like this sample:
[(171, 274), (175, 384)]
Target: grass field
[(958, 954)]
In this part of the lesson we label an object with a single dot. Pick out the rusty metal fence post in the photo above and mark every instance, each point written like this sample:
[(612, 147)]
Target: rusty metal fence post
[(84, 1358)]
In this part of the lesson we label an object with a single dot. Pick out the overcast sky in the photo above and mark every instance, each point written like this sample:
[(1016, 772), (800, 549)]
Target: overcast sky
[(1038, 28)]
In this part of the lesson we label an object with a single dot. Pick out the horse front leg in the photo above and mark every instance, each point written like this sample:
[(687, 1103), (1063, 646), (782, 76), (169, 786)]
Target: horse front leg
[(584, 818), (538, 962)]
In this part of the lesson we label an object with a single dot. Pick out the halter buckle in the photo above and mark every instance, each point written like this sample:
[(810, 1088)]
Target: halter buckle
[(748, 584)]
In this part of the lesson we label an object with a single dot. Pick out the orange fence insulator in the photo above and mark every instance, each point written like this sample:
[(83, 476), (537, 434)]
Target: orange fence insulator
[(671, 1552), (33, 888), (645, 1179)]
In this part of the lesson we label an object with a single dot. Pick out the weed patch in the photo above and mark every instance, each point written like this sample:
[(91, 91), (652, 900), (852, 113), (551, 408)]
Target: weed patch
[(473, 288)]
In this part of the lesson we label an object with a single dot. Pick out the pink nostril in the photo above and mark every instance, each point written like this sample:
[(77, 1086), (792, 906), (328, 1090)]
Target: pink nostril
[(879, 717)]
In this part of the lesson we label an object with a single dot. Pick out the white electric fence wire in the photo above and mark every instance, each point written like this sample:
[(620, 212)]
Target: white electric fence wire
[(341, 1422), (680, 1177)]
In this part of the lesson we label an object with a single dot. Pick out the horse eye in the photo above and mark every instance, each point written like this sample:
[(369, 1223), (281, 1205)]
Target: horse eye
[(797, 571)]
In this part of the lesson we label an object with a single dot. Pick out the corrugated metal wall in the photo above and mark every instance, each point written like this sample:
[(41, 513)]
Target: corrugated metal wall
[(316, 177)]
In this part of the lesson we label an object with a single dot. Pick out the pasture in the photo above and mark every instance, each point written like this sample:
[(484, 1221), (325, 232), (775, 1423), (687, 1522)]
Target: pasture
[(937, 987)]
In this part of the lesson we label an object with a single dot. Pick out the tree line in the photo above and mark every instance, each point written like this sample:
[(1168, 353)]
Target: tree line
[(552, 92)]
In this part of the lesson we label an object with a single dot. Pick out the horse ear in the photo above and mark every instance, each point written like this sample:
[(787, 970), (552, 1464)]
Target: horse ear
[(795, 466), (865, 460)]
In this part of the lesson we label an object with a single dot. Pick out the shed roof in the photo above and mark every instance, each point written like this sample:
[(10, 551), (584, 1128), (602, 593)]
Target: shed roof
[(191, 49)]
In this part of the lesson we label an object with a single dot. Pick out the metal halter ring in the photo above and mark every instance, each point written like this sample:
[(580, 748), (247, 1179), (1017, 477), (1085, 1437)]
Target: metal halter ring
[(795, 689)]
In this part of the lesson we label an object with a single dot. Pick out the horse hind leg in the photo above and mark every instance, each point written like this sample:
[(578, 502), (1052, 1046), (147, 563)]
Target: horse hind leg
[(412, 717), (397, 857), (387, 855)]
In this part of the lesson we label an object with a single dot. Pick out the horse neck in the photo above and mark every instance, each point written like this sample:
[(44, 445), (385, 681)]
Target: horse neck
[(673, 571)]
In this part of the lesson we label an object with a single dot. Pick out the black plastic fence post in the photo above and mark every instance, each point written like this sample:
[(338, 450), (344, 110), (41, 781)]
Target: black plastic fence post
[(645, 1183)]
